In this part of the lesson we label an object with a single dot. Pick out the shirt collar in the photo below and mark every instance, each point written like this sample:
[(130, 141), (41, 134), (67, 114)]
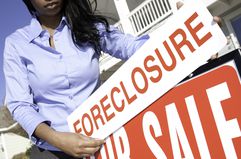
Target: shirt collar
[(36, 28)]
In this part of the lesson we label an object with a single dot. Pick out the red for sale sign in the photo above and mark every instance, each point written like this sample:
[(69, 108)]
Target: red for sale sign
[(200, 118)]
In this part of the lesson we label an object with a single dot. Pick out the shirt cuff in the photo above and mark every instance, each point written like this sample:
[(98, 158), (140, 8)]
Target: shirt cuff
[(28, 117), (36, 140)]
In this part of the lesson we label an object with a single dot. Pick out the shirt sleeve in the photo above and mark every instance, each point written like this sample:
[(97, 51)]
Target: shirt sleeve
[(18, 92), (118, 44)]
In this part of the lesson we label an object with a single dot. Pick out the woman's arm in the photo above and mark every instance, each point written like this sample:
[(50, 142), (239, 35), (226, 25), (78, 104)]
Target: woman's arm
[(118, 44), (20, 103), (19, 98)]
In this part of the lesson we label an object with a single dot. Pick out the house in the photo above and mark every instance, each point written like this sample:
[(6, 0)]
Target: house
[(139, 17), (13, 140)]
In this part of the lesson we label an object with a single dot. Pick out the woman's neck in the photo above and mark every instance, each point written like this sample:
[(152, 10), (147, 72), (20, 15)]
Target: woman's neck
[(50, 23)]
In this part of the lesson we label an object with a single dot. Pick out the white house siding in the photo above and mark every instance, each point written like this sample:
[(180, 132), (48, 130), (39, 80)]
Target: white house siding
[(15, 144), (2, 155)]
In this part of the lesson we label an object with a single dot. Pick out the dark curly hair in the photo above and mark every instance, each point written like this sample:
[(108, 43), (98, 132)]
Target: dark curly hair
[(82, 18)]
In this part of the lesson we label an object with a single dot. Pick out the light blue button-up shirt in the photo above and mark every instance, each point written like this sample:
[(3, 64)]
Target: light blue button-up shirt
[(45, 84)]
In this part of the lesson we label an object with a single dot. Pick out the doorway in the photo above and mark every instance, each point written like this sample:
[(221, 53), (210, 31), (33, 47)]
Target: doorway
[(233, 23), (236, 24)]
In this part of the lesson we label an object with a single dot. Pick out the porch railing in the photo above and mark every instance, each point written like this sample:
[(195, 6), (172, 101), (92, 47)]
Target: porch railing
[(148, 14)]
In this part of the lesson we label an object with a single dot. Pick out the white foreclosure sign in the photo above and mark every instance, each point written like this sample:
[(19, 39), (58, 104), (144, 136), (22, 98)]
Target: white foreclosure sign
[(174, 50)]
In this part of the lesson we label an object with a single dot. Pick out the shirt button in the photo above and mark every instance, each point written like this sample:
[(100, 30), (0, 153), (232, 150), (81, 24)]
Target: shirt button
[(71, 97)]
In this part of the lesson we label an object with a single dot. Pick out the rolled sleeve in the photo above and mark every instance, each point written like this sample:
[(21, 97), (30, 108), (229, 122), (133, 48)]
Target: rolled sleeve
[(18, 92), (118, 44)]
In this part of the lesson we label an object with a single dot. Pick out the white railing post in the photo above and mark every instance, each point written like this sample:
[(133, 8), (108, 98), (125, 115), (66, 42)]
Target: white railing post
[(123, 12)]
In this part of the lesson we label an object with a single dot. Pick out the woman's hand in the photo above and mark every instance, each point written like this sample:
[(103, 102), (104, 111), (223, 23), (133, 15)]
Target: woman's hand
[(217, 20), (77, 145)]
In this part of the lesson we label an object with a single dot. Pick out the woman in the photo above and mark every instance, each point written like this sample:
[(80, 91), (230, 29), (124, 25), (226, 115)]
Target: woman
[(51, 67)]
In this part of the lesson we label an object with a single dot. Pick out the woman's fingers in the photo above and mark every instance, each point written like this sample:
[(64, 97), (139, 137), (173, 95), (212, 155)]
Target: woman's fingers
[(89, 150), (91, 142), (179, 4), (88, 146), (217, 20)]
